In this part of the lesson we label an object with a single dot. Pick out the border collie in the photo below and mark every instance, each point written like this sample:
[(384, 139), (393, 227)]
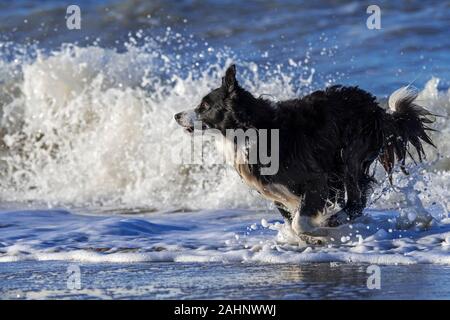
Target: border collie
[(327, 143)]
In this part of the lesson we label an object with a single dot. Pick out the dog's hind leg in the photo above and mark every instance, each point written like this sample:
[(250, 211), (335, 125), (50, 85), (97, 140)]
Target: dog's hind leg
[(357, 195), (357, 183), (365, 186), (336, 192)]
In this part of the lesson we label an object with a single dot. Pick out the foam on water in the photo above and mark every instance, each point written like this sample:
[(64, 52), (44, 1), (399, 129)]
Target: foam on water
[(215, 236)]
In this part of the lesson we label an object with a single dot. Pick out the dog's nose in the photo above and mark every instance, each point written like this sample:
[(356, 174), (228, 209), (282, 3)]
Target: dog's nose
[(177, 116)]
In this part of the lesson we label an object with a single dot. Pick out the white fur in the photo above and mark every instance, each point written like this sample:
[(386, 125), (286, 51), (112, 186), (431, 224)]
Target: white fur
[(307, 225), (238, 159), (229, 152), (398, 95)]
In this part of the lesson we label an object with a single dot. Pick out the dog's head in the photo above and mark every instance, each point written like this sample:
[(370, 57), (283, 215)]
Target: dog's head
[(217, 110)]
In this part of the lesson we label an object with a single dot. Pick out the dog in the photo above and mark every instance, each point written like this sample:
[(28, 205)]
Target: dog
[(328, 141)]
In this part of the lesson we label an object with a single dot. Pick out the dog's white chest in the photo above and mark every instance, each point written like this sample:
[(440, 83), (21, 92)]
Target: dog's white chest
[(274, 192)]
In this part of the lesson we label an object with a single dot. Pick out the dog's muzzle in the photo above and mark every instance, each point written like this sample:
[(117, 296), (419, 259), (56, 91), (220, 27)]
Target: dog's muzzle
[(186, 119)]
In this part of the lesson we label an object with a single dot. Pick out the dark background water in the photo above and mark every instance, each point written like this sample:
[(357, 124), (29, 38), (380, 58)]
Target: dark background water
[(414, 40)]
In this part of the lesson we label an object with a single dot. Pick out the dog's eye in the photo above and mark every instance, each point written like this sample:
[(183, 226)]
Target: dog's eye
[(205, 105)]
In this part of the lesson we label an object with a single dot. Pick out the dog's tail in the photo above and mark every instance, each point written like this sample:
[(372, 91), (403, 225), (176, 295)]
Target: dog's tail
[(406, 124)]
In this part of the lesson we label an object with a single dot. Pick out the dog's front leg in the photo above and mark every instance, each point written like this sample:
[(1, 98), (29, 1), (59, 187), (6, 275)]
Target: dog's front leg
[(283, 211), (305, 218)]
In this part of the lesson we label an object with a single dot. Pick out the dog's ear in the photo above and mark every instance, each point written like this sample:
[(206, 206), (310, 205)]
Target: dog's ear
[(229, 82)]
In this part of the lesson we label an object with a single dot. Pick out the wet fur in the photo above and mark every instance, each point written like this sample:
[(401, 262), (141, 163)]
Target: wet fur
[(328, 141)]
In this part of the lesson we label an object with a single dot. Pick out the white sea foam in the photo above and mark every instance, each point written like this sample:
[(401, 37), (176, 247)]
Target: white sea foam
[(82, 129), (214, 236)]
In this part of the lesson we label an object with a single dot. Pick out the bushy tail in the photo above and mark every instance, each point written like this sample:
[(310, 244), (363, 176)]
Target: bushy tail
[(406, 125)]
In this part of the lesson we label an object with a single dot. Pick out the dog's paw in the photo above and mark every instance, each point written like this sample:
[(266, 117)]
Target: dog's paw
[(304, 225), (339, 218)]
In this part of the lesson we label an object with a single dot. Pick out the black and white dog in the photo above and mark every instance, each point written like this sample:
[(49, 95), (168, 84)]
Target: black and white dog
[(327, 143)]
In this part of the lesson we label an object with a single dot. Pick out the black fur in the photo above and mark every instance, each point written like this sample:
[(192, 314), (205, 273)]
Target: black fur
[(328, 140)]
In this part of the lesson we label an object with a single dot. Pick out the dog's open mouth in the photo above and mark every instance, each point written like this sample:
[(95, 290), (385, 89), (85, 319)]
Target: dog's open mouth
[(189, 129), (189, 122)]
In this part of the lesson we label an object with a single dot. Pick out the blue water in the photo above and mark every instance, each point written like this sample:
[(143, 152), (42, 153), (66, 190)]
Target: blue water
[(412, 44), (48, 280)]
